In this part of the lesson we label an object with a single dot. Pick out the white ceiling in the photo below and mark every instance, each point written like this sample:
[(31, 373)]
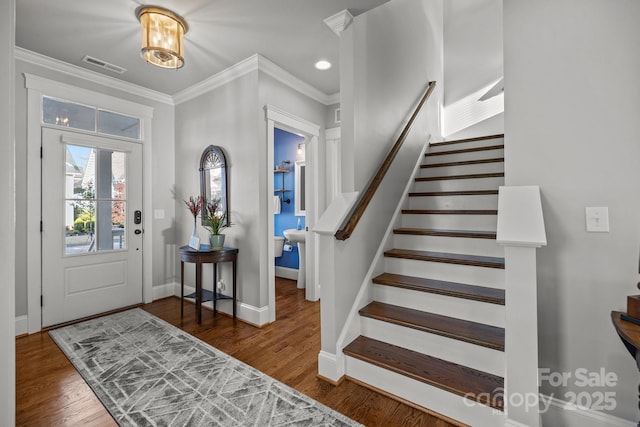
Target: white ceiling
[(291, 33)]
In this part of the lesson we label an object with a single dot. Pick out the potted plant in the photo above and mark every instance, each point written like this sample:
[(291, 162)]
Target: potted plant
[(215, 222)]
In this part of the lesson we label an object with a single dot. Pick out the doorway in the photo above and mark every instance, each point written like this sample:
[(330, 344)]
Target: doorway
[(280, 119), (98, 120)]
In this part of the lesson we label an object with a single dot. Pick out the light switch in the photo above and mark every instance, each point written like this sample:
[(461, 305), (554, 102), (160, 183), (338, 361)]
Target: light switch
[(597, 219), (158, 213)]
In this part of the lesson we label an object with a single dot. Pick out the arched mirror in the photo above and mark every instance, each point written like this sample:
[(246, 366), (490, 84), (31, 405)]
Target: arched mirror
[(213, 179)]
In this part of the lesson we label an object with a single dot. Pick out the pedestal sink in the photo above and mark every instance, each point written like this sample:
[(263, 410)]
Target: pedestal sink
[(298, 237)]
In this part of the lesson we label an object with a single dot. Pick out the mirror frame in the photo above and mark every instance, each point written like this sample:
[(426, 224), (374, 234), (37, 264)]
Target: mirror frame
[(212, 158), (299, 188)]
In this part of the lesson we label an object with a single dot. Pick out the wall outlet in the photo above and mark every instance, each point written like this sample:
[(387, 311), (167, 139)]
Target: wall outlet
[(288, 248), (597, 219)]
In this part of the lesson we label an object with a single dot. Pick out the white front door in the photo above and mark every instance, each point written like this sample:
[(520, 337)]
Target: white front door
[(91, 225)]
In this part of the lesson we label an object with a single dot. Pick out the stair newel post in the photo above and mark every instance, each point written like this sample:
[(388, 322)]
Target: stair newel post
[(521, 231)]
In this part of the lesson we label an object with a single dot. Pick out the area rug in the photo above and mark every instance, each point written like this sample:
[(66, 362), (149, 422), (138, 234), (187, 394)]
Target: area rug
[(147, 372)]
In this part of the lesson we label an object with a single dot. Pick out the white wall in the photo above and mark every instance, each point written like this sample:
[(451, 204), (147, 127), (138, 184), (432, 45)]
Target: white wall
[(395, 50), (7, 216), (163, 248), (473, 63), (572, 102), (388, 55)]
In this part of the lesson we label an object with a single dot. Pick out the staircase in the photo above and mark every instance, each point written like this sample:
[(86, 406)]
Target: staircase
[(435, 328)]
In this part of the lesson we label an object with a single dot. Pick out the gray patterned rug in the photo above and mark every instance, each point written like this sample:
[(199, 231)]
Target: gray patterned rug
[(147, 372)]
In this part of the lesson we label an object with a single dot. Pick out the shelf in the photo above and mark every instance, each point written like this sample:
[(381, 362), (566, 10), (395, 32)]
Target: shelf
[(281, 191), (281, 171), (207, 295)]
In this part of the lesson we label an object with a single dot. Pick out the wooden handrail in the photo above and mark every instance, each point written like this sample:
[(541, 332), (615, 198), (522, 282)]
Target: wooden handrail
[(350, 222)]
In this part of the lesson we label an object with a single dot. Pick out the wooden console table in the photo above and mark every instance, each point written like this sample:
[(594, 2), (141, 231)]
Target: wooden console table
[(188, 254), (630, 335)]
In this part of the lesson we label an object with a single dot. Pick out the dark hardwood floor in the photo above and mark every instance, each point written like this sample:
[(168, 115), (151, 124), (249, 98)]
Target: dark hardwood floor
[(50, 392)]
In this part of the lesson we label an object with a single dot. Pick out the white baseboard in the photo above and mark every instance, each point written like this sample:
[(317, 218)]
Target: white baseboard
[(287, 273), (329, 366), (166, 290), (561, 413), (22, 325), (247, 313)]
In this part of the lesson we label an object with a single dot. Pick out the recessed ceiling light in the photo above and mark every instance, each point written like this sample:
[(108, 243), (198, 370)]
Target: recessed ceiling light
[(323, 65)]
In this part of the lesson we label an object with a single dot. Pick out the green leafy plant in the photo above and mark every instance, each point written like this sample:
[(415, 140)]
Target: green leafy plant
[(214, 221)]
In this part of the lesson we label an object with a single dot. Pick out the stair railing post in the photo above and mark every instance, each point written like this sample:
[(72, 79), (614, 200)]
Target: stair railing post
[(521, 231)]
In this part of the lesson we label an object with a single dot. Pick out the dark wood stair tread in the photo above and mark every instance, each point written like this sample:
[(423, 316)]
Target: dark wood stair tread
[(461, 380), (453, 193), (465, 150), (460, 141), (441, 287), (449, 212), (473, 260), (451, 327), (470, 234), (468, 176), (463, 163)]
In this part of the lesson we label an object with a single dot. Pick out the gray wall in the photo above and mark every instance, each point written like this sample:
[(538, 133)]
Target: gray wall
[(226, 117), (163, 251), (396, 49), (233, 117), (571, 121)]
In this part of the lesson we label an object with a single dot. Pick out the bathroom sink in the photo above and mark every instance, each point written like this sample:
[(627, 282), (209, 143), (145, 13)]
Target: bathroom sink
[(294, 236), (297, 237)]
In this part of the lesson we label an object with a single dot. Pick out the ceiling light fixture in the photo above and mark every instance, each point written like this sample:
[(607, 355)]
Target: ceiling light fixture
[(162, 36), (323, 65)]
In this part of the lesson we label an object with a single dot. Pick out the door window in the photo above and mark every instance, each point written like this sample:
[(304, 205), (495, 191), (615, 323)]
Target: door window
[(95, 199)]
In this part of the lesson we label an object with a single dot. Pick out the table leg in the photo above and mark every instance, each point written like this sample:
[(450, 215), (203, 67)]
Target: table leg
[(199, 291), (234, 288), (215, 286), (181, 289)]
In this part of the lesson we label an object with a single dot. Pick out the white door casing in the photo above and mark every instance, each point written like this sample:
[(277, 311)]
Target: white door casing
[(91, 273), (37, 87), (277, 118)]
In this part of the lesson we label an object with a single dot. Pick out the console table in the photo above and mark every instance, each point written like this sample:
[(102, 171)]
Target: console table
[(630, 335), (199, 257)]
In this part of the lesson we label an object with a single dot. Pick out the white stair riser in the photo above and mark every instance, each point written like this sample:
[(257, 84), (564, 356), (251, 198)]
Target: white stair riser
[(422, 394), (462, 169), (450, 222), (465, 145), (455, 245), (473, 311), (459, 184), (459, 157), (454, 202), (467, 274), (452, 350)]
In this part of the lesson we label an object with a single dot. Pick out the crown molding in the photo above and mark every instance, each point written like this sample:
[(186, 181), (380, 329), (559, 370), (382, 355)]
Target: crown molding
[(219, 79), (339, 22), (274, 70), (252, 63), (91, 76)]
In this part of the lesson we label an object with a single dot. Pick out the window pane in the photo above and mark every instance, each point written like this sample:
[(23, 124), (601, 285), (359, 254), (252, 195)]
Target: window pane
[(80, 167), (117, 124), (80, 226), (118, 175), (118, 222), (68, 114)]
